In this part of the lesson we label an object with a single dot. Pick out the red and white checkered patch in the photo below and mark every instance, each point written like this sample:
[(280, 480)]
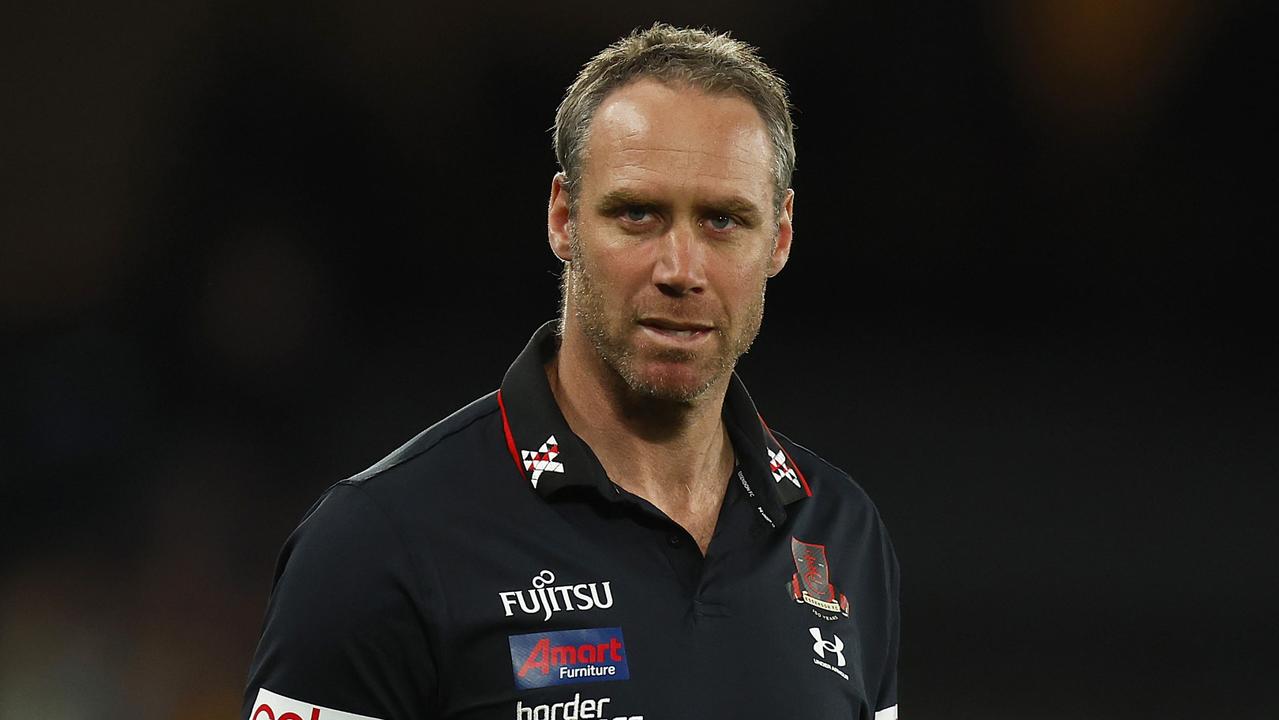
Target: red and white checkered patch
[(777, 464), (543, 459)]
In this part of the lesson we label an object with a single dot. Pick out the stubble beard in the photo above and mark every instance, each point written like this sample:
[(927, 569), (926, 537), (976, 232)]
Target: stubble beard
[(610, 338)]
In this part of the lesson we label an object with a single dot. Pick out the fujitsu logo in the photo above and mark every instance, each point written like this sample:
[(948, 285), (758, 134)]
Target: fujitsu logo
[(546, 598)]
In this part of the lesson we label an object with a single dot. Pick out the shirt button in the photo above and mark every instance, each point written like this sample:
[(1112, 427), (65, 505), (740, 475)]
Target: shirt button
[(674, 540)]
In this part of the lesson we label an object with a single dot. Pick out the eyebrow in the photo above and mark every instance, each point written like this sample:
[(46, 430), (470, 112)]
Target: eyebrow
[(616, 200), (744, 209)]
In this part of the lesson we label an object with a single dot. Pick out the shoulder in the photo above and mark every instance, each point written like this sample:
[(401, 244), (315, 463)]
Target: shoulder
[(826, 480), (439, 439), (446, 466), (841, 507), (442, 463), (842, 515), (359, 534)]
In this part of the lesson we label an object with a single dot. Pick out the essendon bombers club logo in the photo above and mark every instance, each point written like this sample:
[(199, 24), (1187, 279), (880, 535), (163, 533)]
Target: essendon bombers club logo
[(811, 581), (568, 656)]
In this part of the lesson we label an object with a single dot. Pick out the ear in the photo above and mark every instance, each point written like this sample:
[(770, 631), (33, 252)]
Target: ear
[(785, 232), (557, 219)]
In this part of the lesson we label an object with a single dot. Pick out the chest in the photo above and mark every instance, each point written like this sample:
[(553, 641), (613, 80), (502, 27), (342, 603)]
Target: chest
[(610, 619)]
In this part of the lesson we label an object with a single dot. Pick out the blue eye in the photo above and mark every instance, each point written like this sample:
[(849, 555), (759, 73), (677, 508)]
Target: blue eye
[(721, 222), (635, 214)]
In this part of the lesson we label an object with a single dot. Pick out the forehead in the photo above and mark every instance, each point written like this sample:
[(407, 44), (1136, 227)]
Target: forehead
[(652, 137)]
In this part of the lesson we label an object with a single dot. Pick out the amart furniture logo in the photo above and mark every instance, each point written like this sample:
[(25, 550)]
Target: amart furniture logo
[(568, 656)]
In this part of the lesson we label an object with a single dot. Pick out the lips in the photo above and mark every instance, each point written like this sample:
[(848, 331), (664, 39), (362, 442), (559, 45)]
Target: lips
[(675, 330), (676, 333), (675, 326)]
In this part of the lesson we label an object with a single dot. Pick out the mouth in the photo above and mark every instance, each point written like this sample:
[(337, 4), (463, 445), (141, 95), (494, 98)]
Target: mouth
[(676, 330)]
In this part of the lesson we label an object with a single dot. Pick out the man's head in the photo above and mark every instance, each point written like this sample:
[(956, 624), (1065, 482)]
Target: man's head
[(675, 219)]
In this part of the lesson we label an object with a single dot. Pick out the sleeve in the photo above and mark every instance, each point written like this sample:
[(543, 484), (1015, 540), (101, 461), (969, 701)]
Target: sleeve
[(344, 636), (886, 700)]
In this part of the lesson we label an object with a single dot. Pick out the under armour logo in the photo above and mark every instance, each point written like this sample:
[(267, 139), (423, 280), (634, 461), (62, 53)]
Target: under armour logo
[(823, 646), (543, 459)]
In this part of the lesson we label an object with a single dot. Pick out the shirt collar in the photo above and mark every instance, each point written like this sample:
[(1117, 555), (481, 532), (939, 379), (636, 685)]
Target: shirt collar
[(551, 457)]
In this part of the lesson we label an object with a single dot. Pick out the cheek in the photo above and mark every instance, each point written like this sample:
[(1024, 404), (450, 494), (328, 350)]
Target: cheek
[(602, 285), (742, 282), (621, 271)]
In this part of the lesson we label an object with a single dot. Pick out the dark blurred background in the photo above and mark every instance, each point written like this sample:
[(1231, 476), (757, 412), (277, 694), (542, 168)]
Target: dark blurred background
[(247, 249)]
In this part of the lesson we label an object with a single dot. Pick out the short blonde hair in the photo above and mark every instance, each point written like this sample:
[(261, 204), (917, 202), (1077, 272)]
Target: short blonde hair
[(709, 61)]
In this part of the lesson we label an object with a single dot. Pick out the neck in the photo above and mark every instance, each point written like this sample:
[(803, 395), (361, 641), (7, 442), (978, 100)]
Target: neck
[(677, 455)]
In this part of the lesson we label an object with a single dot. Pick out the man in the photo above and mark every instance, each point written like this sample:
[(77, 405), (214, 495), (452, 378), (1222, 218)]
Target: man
[(614, 533)]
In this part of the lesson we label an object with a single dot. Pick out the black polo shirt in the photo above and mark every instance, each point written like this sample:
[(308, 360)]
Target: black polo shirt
[(489, 569)]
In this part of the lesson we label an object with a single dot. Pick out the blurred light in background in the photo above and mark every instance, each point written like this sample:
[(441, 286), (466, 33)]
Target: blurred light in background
[(1096, 68)]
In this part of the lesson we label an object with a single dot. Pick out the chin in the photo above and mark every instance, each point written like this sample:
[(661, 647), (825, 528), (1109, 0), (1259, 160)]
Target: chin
[(670, 384)]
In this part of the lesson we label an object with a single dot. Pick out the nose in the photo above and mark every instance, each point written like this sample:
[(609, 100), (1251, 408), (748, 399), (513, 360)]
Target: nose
[(680, 266)]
